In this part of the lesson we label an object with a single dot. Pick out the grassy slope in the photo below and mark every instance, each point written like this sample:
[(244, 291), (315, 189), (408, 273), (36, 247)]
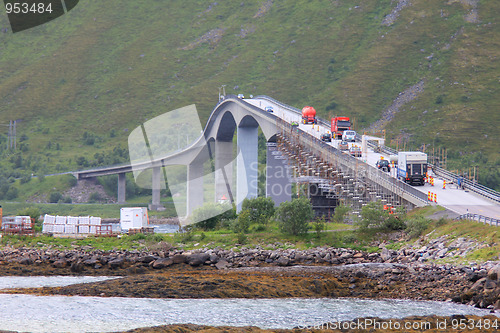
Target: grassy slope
[(113, 65)]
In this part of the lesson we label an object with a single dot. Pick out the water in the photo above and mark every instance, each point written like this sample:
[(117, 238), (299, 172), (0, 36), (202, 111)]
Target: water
[(99, 314), (7, 282), (165, 228)]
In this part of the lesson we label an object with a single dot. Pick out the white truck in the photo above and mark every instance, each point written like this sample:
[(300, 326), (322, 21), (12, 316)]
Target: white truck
[(412, 167)]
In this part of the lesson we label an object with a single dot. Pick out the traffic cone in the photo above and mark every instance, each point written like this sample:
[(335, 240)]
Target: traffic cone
[(435, 198)]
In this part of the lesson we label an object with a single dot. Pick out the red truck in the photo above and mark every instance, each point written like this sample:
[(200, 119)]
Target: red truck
[(339, 125), (308, 115)]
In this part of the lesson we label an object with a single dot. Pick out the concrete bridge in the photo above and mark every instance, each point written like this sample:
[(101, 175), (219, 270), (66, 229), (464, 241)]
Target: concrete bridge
[(231, 116), (293, 154)]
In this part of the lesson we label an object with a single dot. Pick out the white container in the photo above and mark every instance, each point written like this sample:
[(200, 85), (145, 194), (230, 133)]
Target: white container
[(83, 229), (70, 229), (47, 228), (73, 220), (84, 220), (59, 228), (133, 218), (61, 219), (48, 224)]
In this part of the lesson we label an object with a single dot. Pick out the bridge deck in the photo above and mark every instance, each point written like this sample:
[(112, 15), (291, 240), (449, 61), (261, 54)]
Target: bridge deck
[(454, 199)]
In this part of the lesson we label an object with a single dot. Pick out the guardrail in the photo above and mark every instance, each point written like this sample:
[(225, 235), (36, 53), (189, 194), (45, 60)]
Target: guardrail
[(359, 170), (479, 218)]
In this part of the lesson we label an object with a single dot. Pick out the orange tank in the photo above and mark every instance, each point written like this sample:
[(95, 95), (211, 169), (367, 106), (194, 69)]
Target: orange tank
[(308, 115)]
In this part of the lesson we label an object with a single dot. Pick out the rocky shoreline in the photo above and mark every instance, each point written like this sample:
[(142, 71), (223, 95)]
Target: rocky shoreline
[(253, 272)]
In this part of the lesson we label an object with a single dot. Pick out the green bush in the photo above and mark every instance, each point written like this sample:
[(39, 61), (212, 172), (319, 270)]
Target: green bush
[(242, 223), (66, 199), (32, 212), (293, 216), (54, 197), (71, 180), (209, 215), (261, 209), (319, 226), (416, 226), (11, 193), (340, 213), (374, 215), (95, 197)]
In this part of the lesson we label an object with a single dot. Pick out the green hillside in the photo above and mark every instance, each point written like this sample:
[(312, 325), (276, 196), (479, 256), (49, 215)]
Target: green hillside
[(78, 85)]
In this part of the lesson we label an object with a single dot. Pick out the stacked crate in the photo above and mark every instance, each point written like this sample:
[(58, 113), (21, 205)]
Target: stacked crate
[(71, 224)]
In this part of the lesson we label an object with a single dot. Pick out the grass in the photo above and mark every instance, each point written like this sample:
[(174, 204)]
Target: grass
[(270, 237), (102, 69)]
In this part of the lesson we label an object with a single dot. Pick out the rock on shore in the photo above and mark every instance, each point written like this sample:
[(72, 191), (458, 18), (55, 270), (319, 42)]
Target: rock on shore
[(404, 271)]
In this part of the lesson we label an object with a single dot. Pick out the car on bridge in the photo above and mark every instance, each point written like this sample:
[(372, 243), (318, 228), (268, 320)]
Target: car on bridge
[(343, 146), (355, 151), (326, 137), (383, 165), (349, 136), (241, 96), (269, 109)]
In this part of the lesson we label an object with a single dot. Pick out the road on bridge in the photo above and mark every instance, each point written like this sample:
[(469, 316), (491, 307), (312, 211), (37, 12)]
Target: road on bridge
[(452, 198)]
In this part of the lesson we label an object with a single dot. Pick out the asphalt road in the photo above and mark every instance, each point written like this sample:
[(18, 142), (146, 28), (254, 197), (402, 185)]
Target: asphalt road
[(452, 198)]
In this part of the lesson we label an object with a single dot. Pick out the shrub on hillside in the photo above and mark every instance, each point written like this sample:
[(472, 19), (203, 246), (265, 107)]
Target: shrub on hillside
[(373, 215), (416, 226), (294, 216), (54, 197)]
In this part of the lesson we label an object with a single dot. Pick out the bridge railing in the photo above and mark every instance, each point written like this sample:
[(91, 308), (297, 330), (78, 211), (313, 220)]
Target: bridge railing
[(449, 176), (358, 170), (479, 218), (452, 177)]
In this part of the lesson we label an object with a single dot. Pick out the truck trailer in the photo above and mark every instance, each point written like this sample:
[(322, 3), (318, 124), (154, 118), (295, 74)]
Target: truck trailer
[(412, 167)]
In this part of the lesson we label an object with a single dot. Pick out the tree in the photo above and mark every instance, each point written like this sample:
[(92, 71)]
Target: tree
[(207, 216), (340, 213), (261, 209), (294, 216), (374, 215)]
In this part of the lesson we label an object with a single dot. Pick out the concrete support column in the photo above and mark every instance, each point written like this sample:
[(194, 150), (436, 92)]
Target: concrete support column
[(194, 186), (278, 178), (223, 170), (122, 181), (247, 164), (156, 187)]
